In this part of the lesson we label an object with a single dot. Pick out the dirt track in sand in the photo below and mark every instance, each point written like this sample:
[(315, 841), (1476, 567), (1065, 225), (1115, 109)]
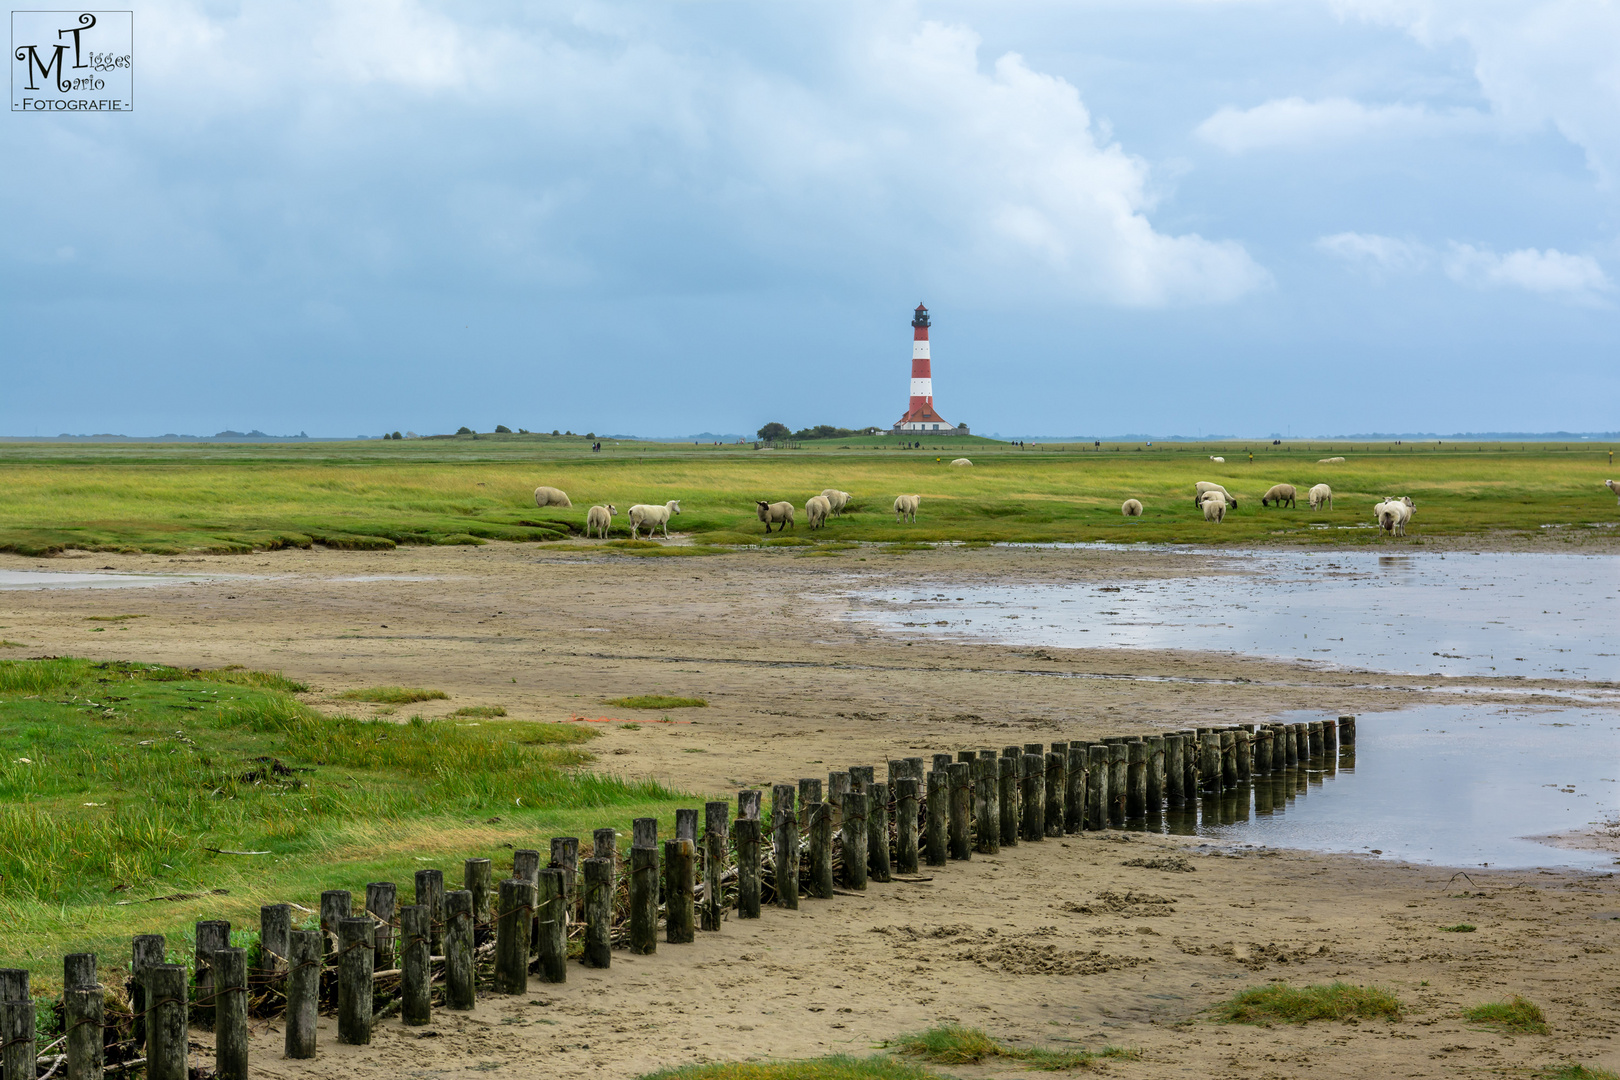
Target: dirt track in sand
[(551, 632)]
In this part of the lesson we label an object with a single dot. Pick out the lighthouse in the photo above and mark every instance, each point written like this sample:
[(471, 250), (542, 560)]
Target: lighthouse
[(920, 416)]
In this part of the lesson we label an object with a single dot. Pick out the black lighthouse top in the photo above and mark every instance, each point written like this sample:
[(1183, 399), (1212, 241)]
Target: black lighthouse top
[(920, 318)]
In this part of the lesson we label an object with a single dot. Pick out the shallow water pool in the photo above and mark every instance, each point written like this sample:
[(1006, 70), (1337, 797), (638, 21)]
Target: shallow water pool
[(53, 579)]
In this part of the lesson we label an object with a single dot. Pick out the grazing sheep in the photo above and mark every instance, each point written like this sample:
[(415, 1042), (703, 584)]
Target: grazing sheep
[(1613, 486), (816, 508), (550, 496), (961, 461), (777, 513), (1321, 496), (599, 519), (654, 517), (838, 499), (1204, 487), (1330, 461), (905, 507), (1131, 508), (1393, 514), (1279, 494), (1214, 507), (1217, 460)]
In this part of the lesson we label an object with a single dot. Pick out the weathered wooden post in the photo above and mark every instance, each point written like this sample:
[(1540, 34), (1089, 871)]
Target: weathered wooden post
[(1032, 796), (1240, 741), (986, 807), (1302, 737), (905, 845), (526, 864), (275, 941), (1189, 764), (1097, 786), (878, 866), (83, 1011), (336, 905), (838, 785), (686, 823), (862, 777), (230, 1013), (1347, 732), (355, 951), (746, 830), (303, 991), (854, 838), (1318, 743), (430, 894), (605, 842), (1155, 772), (936, 835), (1285, 732), (748, 804), (565, 857), (381, 899), (820, 884), (1228, 745), (1055, 780), (1262, 752), (514, 917), (1074, 798), (942, 762), (644, 889), (17, 1037), (679, 858), (211, 936), (1136, 779), (551, 907), (599, 911), (1330, 738), (715, 844), (166, 1034), (1209, 771), (460, 984), (476, 876), (1007, 800), (1175, 773), (960, 824), (1118, 780), (786, 874), (809, 792)]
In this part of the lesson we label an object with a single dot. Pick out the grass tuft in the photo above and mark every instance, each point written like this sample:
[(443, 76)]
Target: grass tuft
[(1573, 1071), (1460, 928), (4, 644), (480, 712), (394, 695), (658, 701), (837, 1067), (1280, 1002), (953, 1044), (112, 618), (1515, 1016)]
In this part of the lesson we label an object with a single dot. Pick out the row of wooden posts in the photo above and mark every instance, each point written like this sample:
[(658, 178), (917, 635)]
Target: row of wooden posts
[(982, 800)]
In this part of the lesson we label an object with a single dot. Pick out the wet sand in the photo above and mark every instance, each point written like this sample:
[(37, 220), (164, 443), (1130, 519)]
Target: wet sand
[(795, 690)]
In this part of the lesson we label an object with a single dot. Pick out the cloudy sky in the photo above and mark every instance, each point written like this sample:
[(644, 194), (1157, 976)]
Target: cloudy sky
[(1138, 216)]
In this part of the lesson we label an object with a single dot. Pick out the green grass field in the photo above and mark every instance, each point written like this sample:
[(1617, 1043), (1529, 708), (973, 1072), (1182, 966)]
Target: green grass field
[(129, 794), (376, 494)]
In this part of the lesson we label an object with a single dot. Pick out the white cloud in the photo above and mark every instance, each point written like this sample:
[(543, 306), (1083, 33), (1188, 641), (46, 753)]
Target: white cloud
[(1375, 253), (1294, 121), (1549, 271)]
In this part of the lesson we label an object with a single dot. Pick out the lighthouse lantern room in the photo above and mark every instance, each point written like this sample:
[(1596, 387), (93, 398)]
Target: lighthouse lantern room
[(920, 416)]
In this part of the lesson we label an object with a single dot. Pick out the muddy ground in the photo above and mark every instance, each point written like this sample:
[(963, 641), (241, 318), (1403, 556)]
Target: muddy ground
[(1058, 943)]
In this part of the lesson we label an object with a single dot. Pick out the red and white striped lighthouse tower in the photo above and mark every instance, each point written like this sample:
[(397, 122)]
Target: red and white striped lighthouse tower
[(921, 415)]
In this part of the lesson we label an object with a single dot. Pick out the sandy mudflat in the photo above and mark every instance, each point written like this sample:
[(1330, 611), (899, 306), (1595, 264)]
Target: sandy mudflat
[(796, 691)]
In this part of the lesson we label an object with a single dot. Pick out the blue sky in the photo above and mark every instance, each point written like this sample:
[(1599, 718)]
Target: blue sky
[(1179, 218)]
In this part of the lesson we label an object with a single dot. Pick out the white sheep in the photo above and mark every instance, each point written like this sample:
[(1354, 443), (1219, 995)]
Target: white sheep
[(598, 519), (961, 461), (838, 499), (654, 517), (779, 513), (1131, 508), (1393, 514), (1613, 486), (816, 508), (1214, 507), (1204, 487), (550, 496), (1217, 460), (905, 507), (1330, 461), (1279, 494), (1321, 496)]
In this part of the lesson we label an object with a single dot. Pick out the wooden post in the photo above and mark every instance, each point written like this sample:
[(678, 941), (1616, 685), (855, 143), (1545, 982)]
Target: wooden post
[(599, 911), (1290, 748), (79, 970), (303, 991), (715, 844), (748, 804), (415, 931), (514, 916), (1330, 738), (748, 885), (877, 832), (166, 1033), (862, 777), (1209, 769), (336, 905), (960, 820), (475, 878), (785, 877), (1189, 765), (381, 898), (686, 822), (939, 808), (781, 802), (230, 1013), (820, 883), (605, 844), (1318, 744), (1302, 736), (1118, 780), (1262, 752), (1242, 747), (1055, 777), (83, 1011), (460, 983), (275, 941), (809, 792), (1135, 778), (1097, 801), (1174, 771), (17, 1037), (551, 910), (1007, 800), (1032, 796), (897, 769), (942, 762), (986, 807), (643, 899), (853, 839), (1228, 745), (906, 827), (526, 864), (679, 857), (1074, 797), (565, 857), (355, 951), (212, 935), (430, 894), (838, 785), (1347, 732)]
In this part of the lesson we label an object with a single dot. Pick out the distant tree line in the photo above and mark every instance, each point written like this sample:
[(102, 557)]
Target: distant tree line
[(774, 432)]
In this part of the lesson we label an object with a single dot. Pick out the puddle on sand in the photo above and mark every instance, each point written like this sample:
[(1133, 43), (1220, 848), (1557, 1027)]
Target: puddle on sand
[(50, 579), (1454, 785), (1521, 613)]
